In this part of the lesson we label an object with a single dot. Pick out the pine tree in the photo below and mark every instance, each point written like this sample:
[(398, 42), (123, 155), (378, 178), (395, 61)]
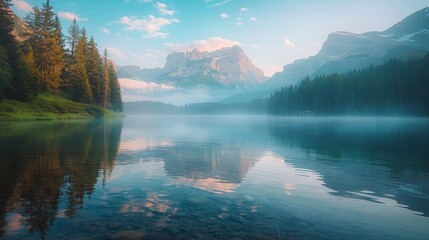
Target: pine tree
[(15, 84), (115, 90), (73, 37), (106, 85), (30, 62), (81, 89), (5, 30), (93, 68), (59, 32), (46, 44), (5, 72), (70, 56)]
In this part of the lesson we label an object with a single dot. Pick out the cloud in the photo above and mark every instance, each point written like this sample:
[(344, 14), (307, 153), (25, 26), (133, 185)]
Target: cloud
[(218, 4), (255, 45), (239, 21), (288, 44), (244, 9), (253, 19), (141, 86), (152, 25), (115, 52), (124, 37), (209, 45), (105, 31), (71, 16), (224, 15), (22, 6), (162, 8)]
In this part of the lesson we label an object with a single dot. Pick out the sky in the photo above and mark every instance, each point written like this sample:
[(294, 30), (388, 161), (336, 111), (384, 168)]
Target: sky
[(273, 33)]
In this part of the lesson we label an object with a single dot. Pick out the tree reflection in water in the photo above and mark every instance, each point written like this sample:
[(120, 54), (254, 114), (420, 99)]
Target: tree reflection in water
[(42, 163)]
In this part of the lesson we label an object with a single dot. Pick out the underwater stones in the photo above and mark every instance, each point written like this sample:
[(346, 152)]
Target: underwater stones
[(115, 190), (115, 225), (197, 200), (248, 198), (126, 235)]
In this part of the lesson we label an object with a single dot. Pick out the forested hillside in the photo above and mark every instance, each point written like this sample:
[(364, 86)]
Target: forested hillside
[(48, 62), (394, 88)]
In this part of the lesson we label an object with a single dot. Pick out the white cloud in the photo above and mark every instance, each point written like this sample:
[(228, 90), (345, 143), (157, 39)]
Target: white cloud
[(253, 19), (218, 4), (124, 37), (288, 44), (105, 31), (22, 5), (115, 52), (239, 24), (244, 9), (140, 86), (209, 45), (162, 8), (152, 25), (71, 16), (224, 15), (255, 45)]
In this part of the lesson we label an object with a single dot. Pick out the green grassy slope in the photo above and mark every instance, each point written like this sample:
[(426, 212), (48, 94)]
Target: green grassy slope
[(50, 107)]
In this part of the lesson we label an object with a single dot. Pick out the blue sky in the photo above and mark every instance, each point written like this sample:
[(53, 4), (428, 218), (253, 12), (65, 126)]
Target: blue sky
[(273, 33)]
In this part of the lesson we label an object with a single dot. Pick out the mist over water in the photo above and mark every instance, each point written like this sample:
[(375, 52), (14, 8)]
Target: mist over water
[(214, 177)]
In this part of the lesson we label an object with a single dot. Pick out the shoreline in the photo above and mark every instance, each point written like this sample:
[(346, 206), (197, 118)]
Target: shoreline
[(48, 107)]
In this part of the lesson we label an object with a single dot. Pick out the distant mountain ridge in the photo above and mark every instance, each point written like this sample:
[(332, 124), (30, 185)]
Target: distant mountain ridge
[(231, 70), (344, 51), (226, 68)]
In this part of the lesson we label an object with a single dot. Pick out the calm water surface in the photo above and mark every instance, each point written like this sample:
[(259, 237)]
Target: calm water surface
[(215, 178)]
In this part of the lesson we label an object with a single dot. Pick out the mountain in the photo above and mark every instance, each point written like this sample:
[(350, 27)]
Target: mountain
[(344, 51), (21, 30), (135, 72), (223, 69)]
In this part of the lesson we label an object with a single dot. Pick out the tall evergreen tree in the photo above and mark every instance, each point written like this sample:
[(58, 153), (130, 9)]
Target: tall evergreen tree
[(106, 85), (5, 72), (17, 85), (72, 40), (73, 37), (46, 44), (115, 90), (81, 89), (93, 68), (6, 28)]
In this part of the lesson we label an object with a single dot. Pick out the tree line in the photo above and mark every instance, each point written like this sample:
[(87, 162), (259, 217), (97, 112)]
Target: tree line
[(394, 88), (254, 107), (48, 61)]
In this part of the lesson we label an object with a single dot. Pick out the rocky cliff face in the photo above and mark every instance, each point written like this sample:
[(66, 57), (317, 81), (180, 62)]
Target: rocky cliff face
[(225, 68)]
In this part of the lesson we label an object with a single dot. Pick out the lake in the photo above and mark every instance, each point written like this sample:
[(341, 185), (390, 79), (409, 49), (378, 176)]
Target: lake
[(215, 177)]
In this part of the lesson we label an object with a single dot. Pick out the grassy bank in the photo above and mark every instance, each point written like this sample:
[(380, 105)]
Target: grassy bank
[(51, 107)]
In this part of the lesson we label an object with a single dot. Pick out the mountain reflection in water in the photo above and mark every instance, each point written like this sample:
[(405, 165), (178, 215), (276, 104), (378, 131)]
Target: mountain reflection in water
[(216, 177)]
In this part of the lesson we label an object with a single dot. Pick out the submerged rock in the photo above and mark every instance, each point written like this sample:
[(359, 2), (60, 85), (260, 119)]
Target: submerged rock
[(126, 235), (198, 200)]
